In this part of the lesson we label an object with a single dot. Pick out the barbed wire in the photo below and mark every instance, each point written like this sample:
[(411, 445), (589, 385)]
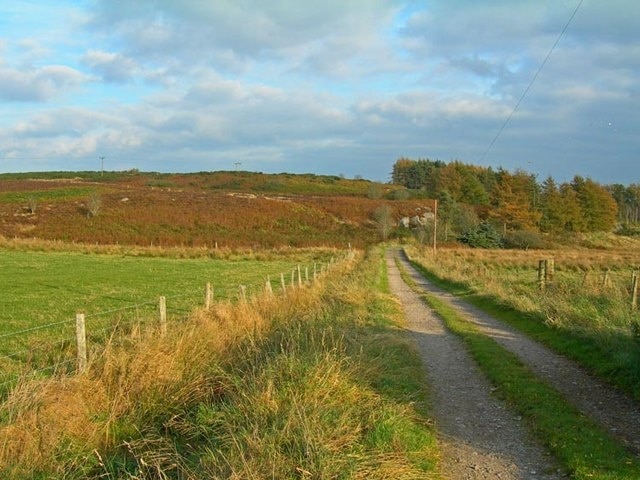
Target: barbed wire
[(231, 293), (34, 329)]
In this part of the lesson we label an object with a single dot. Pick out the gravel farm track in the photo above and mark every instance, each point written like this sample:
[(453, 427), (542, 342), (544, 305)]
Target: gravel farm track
[(480, 437)]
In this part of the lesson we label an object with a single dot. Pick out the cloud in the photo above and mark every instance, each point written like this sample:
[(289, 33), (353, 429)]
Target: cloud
[(38, 85), (231, 36), (112, 67), (327, 86)]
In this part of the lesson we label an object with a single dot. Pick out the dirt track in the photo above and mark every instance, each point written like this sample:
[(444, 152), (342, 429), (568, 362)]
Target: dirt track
[(614, 411), (480, 437)]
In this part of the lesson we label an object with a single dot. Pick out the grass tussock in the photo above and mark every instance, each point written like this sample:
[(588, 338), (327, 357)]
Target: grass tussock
[(320, 383)]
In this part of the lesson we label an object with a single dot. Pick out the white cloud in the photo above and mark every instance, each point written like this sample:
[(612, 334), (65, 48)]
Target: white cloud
[(112, 67), (325, 86), (40, 84)]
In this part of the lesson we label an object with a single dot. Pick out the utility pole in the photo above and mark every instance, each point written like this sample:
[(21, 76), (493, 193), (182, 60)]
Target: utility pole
[(237, 164), (102, 166), (435, 225)]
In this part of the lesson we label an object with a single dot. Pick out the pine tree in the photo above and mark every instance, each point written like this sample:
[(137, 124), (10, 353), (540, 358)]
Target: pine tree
[(573, 220), (513, 199), (551, 204), (598, 206)]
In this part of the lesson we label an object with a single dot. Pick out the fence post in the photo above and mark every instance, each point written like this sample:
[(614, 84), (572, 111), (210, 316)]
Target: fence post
[(606, 281), (243, 293), (634, 291), (268, 287), (293, 278), (284, 285), (81, 340), (208, 296), (542, 273), (299, 277), (162, 309), (550, 270)]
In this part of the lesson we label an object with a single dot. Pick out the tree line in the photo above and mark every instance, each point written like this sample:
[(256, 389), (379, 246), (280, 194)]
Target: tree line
[(516, 201)]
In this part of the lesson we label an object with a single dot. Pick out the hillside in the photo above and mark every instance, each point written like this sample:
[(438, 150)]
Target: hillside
[(230, 209)]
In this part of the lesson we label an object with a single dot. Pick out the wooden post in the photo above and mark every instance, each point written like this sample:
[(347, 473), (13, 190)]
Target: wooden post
[(550, 270), (634, 291), (306, 274), (216, 245), (435, 226), (162, 307), (542, 274), (243, 293), (606, 281), (293, 278), (268, 287), (282, 282), (299, 277), (81, 340), (208, 296)]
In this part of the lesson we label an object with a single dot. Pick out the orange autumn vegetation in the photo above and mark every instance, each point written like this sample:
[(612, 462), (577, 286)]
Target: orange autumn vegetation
[(232, 209)]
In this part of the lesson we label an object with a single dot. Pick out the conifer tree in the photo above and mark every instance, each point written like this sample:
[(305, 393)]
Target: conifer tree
[(513, 199), (599, 208), (552, 207)]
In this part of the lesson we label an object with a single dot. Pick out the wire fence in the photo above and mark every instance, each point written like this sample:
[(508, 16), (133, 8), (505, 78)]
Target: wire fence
[(55, 348)]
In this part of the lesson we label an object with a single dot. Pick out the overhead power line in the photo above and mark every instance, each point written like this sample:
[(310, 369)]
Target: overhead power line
[(524, 94)]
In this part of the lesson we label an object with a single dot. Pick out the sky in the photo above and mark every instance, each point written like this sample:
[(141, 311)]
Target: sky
[(334, 87)]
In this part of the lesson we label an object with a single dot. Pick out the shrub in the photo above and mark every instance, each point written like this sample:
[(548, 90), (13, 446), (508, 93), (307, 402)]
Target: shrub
[(629, 230), (401, 194), (383, 217), (375, 191), (524, 239), (32, 204), (483, 236), (94, 204)]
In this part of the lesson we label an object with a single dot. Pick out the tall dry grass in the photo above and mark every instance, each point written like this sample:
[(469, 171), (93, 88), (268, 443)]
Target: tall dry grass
[(209, 251), (578, 298), (588, 303), (270, 388)]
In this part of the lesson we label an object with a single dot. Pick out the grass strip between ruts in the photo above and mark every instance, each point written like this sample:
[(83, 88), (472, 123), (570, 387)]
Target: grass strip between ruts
[(581, 446)]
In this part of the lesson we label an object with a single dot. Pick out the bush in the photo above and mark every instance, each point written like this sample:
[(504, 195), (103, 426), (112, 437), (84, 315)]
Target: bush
[(629, 230), (94, 204), (400, 194), (483, 236), (375, 191), (525, 239)]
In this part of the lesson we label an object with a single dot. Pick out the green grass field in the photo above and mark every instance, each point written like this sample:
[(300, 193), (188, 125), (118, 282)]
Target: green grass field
[(42, 292)]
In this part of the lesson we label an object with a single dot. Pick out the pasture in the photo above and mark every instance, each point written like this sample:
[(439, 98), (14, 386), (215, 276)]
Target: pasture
[(43, 290)]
